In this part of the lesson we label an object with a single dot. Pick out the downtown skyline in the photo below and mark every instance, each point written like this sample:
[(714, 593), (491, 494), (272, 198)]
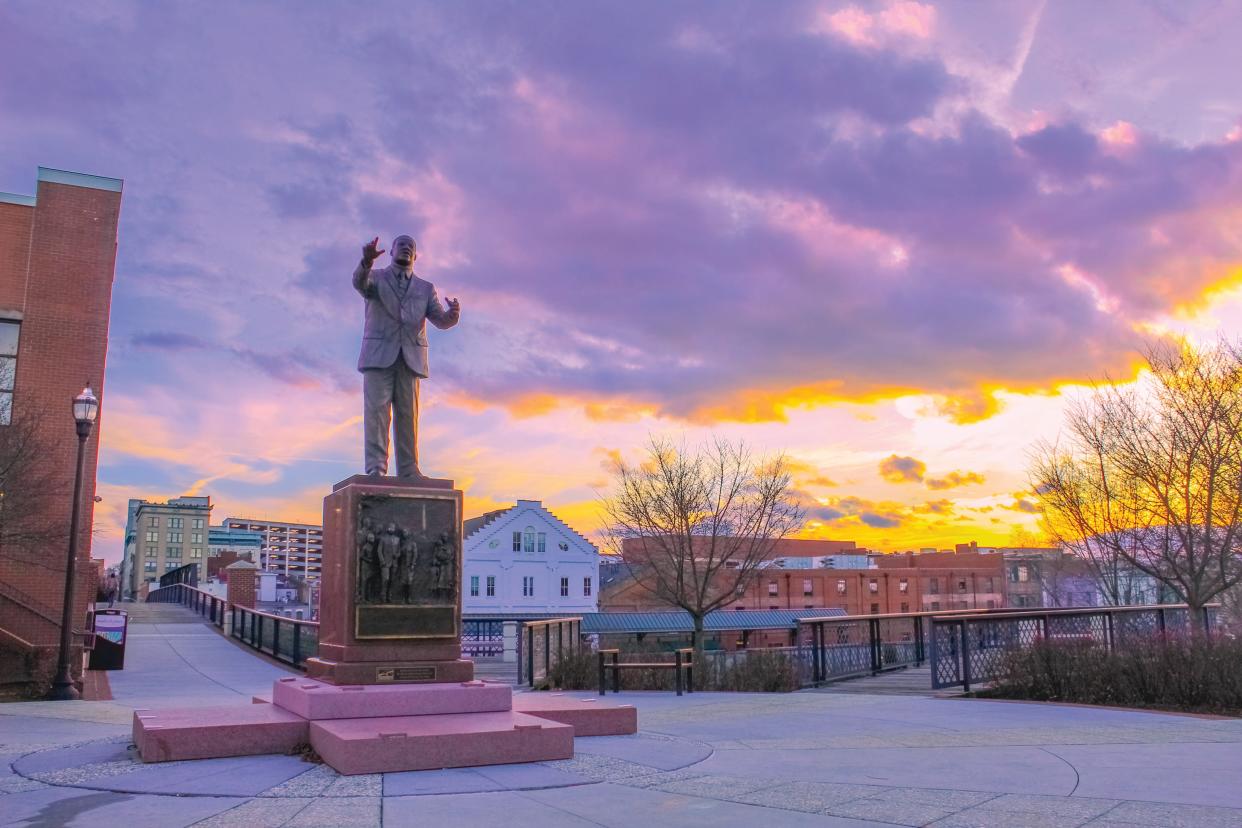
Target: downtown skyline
[(890, 239)]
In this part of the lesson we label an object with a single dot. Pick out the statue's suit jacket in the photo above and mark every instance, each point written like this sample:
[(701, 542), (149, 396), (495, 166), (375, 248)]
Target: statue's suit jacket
[(397, 325)]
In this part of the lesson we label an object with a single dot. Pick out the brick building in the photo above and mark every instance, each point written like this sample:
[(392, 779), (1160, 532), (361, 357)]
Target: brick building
[(895, 583), (162, 536), (57, 254)]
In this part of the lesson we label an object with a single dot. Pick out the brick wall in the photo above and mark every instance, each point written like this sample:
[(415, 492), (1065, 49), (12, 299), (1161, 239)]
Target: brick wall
[(243, 586), (56, 270)]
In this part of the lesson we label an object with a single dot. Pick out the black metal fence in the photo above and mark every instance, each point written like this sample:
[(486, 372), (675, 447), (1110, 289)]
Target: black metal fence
[(211, 607), (284, 639), (971, 649), (542, 644), (848, 646)]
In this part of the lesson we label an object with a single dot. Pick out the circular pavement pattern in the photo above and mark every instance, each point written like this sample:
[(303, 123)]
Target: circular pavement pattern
[(112, 765)]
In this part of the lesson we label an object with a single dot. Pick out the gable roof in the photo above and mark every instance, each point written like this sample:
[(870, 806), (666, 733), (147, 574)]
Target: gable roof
[(501, 517)]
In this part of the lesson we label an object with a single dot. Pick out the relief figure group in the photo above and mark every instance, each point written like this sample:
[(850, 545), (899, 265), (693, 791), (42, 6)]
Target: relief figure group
[(388, 560)]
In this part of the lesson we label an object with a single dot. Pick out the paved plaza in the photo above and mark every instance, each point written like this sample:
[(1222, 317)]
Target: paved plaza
[(711, 759)]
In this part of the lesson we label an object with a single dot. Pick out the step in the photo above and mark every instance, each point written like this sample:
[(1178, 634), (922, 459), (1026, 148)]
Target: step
[(458, 740), (318, 700), (214, 732), (589, 716)]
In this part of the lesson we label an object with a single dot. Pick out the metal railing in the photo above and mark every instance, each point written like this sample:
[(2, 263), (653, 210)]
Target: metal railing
[(289, 640), (284, 639), (847, 646), (971, 649), (542, 644), (211, 607)]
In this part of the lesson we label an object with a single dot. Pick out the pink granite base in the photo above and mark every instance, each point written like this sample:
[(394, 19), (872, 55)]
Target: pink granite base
[(461, 740), (316, 700), (215, 732), (589, 717)]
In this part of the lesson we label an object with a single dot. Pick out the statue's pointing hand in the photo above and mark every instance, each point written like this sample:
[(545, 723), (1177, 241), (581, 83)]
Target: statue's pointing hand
[(371, 250), (454, 306)]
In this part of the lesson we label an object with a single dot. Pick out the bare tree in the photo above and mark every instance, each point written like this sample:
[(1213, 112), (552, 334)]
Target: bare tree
[(694, 526), (27, 527), (1148, 479)]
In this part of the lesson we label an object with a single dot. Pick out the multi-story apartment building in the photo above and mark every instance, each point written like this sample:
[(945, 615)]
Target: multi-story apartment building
[(161, 536), (289, 549)]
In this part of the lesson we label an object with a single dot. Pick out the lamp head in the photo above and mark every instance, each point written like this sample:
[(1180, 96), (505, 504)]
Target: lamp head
[(85, 406)]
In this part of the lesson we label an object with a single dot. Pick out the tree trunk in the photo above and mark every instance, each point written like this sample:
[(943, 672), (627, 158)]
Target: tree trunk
[(700, 663)]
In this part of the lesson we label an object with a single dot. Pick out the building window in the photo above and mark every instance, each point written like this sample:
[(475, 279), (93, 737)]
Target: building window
[(151, 553), (905, 607), (991, 585), (873, 585), (840, 586), (176, 523), (773, 588), (586, 587), (517, 541), (564, 587), (875, 609), (808, 586), (935, 606), (491, 586), (9, 330), (543, 542), (933, 587), (171, 565), (174, 537), (903, 586), (152, 536), (154, 520), (1024, 574), (474, 586), (149, 566), (172, 552), (991, 604), (528, 542), (198, 523), (196, 537), (961, 586), (528, 586), (196, 552)]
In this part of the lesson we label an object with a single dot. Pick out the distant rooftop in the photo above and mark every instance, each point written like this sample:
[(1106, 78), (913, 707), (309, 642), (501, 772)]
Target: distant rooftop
[(73, 179)]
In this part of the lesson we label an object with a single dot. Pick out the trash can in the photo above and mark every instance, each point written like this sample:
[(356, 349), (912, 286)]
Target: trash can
[(110, 629)]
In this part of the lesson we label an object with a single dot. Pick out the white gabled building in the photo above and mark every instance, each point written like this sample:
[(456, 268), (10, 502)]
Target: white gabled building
[(525, 561)]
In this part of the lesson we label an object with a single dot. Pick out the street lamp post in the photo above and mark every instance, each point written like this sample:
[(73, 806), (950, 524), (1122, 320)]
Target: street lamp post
[(85, 409)]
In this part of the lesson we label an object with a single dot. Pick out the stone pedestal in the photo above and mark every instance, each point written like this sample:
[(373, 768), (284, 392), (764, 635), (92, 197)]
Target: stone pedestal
[(390, 598)]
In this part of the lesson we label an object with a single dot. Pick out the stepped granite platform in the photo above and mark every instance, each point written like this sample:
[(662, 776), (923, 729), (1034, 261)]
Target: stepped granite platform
[(381, 728)]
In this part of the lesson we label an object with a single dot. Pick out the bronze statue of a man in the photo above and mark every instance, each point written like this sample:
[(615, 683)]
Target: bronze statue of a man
[(394, 351)]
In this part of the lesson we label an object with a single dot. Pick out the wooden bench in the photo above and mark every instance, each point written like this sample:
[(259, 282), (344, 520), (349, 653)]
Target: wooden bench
[(683, 660)]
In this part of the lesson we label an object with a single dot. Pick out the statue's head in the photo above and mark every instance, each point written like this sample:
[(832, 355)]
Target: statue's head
[(404, 250)]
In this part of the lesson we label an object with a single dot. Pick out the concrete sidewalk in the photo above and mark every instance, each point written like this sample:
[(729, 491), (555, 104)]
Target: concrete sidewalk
[(707, 759)]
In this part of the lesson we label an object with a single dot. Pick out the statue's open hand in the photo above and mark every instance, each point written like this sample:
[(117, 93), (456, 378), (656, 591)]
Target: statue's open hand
[(454, 306), (371, 250)]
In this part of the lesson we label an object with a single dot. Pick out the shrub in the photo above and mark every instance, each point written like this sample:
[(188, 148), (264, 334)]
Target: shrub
[(1196, 675)]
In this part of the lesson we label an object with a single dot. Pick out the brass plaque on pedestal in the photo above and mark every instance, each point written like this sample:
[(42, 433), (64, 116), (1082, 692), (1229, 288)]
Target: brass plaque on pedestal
[(384, 675), (405, 622), (408, 560)]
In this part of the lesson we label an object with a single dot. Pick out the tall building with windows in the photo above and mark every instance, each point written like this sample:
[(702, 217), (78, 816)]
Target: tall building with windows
[(164, 536), (57, 257), (290, 549)]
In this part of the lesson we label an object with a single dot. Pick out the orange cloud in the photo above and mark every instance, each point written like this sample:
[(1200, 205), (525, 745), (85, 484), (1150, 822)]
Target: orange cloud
[(896, 469), (954, 479)]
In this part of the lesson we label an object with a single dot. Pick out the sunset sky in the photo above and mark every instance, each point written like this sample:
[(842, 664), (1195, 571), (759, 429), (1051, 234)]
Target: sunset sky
[(889, 239)]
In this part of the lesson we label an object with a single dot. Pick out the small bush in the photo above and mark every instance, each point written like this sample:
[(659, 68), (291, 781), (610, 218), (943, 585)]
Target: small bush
[(749, 671), (1193, 675)]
